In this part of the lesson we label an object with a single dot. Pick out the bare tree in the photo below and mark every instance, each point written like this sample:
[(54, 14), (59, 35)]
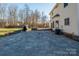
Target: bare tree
[(25, 15), (12, 14), (36, 17), (43, 18), (3, 13), (27, 9), (32, 18), (21, 15)]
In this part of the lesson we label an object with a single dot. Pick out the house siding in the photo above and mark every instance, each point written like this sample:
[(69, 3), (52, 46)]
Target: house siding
[(70, 12), (78, 17)]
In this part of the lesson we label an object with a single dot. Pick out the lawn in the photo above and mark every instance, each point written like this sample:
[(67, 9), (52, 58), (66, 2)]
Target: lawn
[(4, 31)]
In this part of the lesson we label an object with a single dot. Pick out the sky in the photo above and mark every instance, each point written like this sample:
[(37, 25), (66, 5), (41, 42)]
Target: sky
[(42, 7), (45, 7)]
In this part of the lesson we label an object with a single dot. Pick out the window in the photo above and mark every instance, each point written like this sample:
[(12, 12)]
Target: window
[(65, 5), (66, 21)]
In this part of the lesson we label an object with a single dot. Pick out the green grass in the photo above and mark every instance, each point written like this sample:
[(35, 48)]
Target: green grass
[(4, 31)]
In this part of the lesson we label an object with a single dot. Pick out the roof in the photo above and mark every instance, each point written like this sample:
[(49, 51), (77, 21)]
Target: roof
[(54, 8)]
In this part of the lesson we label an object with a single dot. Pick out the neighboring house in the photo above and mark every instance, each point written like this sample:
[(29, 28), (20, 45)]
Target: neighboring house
[(65, 16)]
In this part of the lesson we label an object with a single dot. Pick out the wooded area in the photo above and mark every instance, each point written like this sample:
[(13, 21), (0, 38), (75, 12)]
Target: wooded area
[(12, 16)]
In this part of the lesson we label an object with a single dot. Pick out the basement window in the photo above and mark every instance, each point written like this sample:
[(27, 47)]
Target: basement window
[(66, 21), (65, 5)]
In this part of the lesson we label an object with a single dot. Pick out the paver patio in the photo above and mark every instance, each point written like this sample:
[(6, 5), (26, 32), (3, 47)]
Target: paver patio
[(38, 43)]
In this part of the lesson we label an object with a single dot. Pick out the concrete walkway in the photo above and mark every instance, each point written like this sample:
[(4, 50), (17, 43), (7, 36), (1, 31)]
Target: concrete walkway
[(38, 43)]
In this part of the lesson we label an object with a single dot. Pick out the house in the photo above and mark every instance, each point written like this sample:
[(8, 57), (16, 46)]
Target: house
[(65, 16)]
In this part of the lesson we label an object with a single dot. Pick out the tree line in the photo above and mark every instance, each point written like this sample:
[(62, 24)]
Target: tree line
[(11, 15)]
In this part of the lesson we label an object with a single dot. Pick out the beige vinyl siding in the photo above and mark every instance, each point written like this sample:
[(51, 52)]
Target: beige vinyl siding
[(70, 12)]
